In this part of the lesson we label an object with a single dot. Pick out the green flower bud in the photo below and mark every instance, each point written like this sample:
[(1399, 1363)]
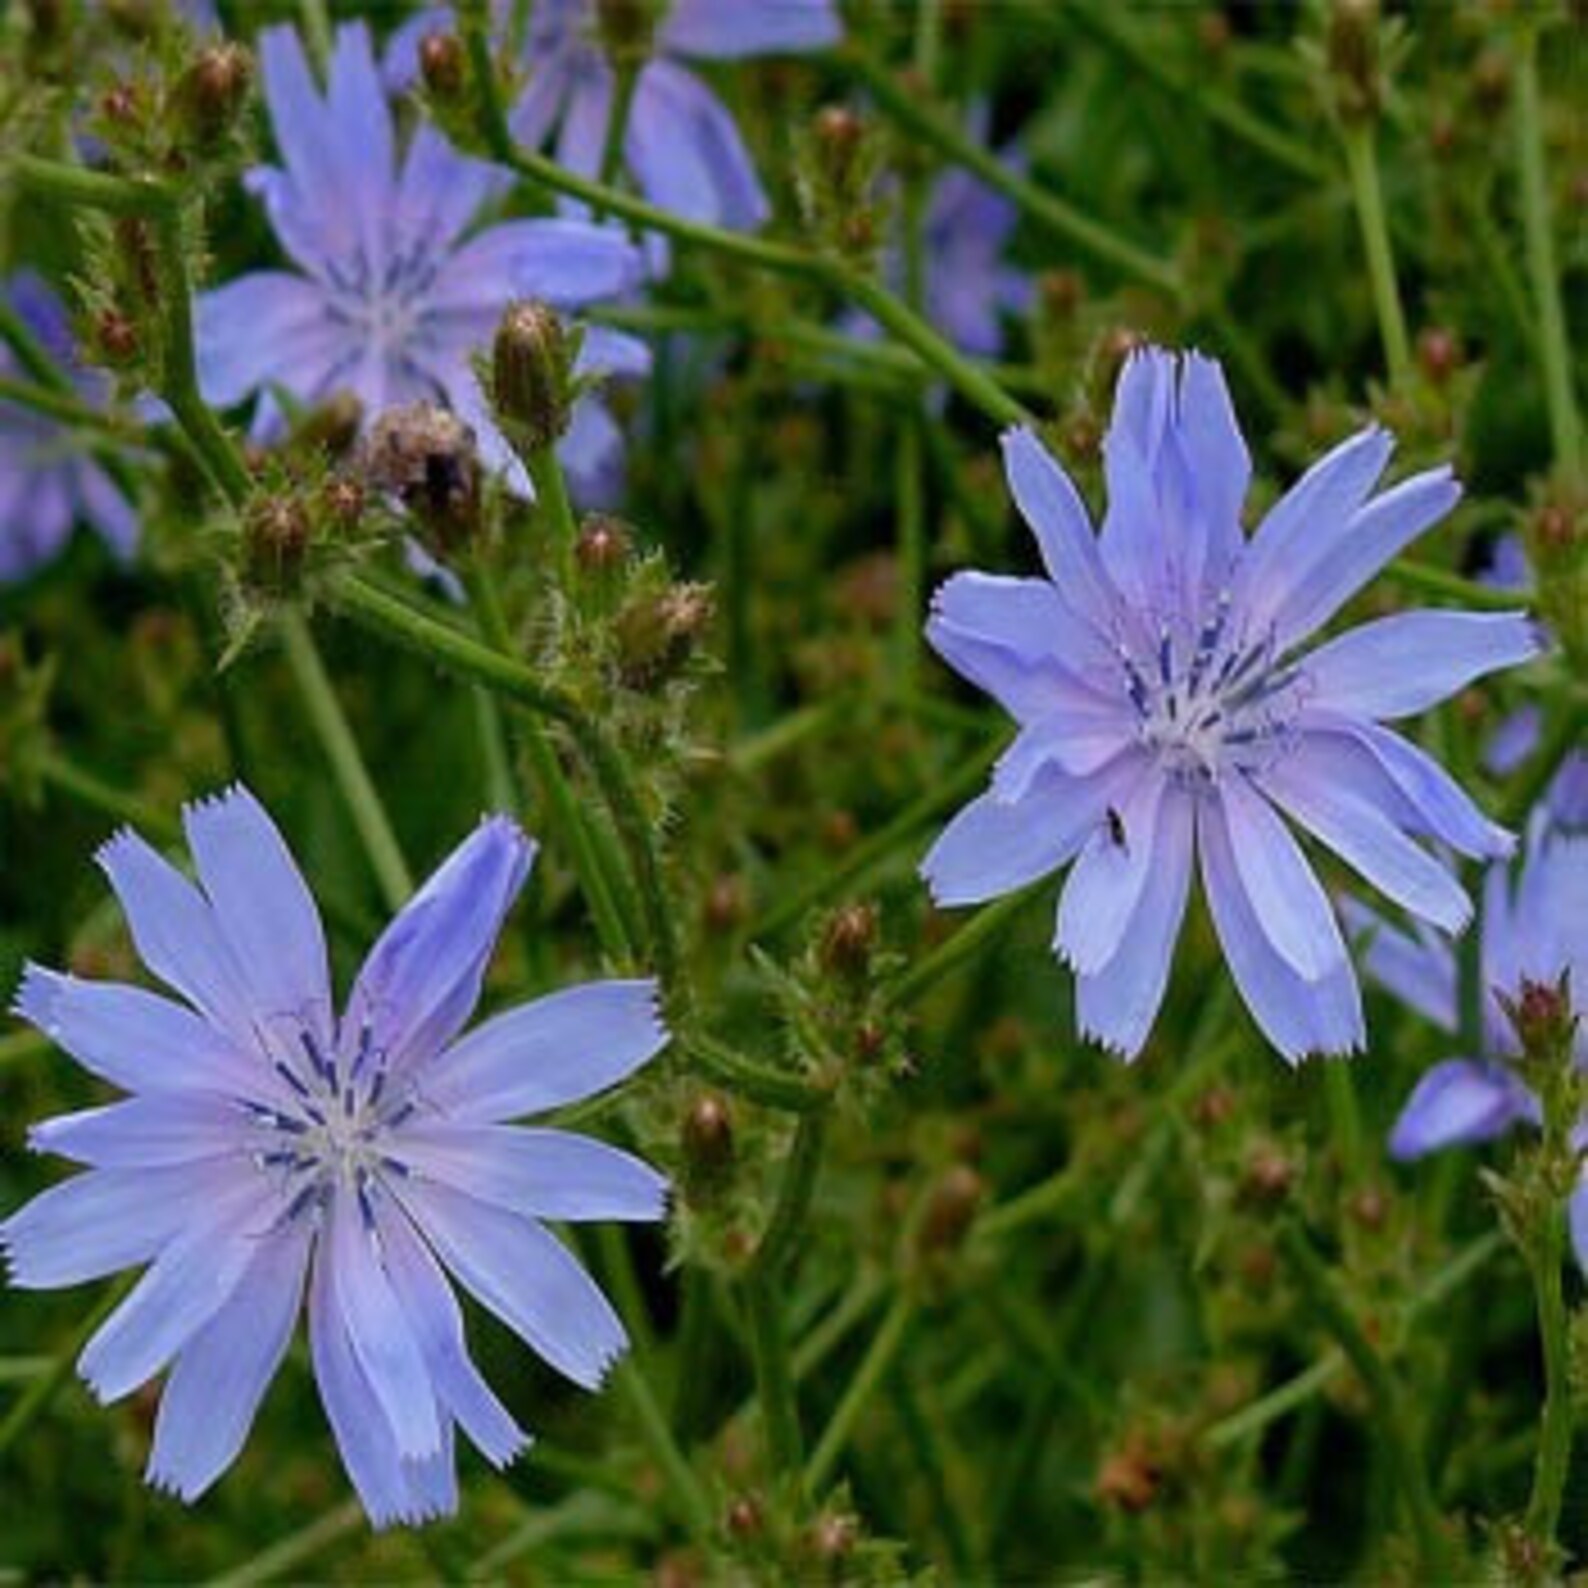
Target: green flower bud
[(210, 95), (532, 377)]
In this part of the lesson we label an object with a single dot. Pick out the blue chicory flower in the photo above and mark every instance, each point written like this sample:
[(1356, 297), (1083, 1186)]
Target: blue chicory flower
[(49, 480), (1517, 738), (1166, 712), (1535, 926), (680, 143), (391, 297), (270, 1148)]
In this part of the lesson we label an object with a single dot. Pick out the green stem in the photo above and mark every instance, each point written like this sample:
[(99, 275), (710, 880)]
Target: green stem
[(925, 122), (694, 1509), (988, 921), (347, 766), (763, 1297), (1389, 1408), (912, 551), (23, 1045), (98, 795), (1554, 347), (287, 1557), (551, 491), (878, 1361), (1553, 1460), (773, 1088), (1424, 579), (1050, 1198), (1361, 161), (624, 76), (745, 248)]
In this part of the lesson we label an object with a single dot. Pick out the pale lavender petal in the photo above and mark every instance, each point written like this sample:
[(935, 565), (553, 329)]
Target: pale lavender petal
[(1420, 971), (222, 1373), (1404, 664), (143, 1132), (1117, 1004), (733, 29), (1297, 1016), (1109, 877), (524, 1275), (1220, 465), (567, 263), (1513, 741), (100, 502), (1459, 1103), (547, 1174), (685, 150), (1287, 901), (558, 1049), (591, 454), (264, 910), (259, 328)]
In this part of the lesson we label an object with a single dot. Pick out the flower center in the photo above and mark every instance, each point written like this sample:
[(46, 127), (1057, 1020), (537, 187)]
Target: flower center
[(1208, 698), (385, 303), (335, 1131)]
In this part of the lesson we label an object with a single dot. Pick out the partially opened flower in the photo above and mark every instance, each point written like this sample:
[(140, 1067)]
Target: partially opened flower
[(1535, 928), (1168, 712), (49, 478), (270, 1147), (392, 295), (680, 142)]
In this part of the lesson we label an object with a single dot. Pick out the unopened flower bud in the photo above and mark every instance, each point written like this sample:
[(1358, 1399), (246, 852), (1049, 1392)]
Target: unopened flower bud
[(1439, 353), (1129, 1478), (724, 908), (745, 1517), (1542, 1015), (331, 426), (627, 28), (838, 136), (834, 1537), (426, 457), (1352, 51), (443, 66), (115, 338), (532, 382), (276, 535), (210, 95), (848, 940), (343, 501), (657, 634), (707, 1141), (1268, 1175)]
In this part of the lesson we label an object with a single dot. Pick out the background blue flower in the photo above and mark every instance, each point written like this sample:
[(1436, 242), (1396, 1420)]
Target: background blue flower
[(269, 1148), (392, 294)]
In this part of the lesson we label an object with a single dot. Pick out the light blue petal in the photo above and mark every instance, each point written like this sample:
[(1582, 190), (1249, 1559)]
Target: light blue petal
[(1459, 1103), (436, 1320), (1216, 453), (1331, 569), (135, 1039), (100, 502), (1079, 737), (1109, 877), (567, 263), (376, 1328), (264, 909), (1364, 837), (1056, 515), (1320, 505), (591, 454), (604, 351), (733, 29), (1513, 741), (1287, 901), (175, 933), (385, 1483), (994, 846), (1443, 806), (546, 1174), (1299, 1017), (558, 1049), (422, 979), (1404, 664), (189, 1282), (686, 152), (1136, 464), (1117, 1004), (523, 1274), (222, 1373), (145, 1132), (97, 1223)]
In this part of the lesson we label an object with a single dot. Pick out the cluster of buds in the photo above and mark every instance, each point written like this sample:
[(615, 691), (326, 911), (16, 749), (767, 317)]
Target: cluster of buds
[(185, 117)]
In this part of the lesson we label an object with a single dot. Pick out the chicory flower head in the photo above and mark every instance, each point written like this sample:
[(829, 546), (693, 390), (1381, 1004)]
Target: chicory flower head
[(390, 297), (680, 142), (1535, 927), (49, 481), (269, 1147), (1168, 712)]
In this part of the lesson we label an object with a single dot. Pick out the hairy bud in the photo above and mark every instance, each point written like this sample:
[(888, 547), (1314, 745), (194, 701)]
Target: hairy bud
[(848, 940), (443, 66), (426, 458), (277, 531), (657, 634), (532, 379), (210, 95)]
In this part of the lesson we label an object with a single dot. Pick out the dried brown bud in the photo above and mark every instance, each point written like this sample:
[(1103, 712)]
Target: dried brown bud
[(276, 535), (951, 1207), (725, 906), (1128, 1478), (745, 1517), (1369, 1207), (210, 95), (1062, 293), (834, 1537), (1542, 1015), (443, 66), (604, 545), (532, 382), (1439, 353), (120, 104), (1268, 1175), (848, 940), (1214, 1107), (343, 500), (115, 338), (839, 134), (426, 457)]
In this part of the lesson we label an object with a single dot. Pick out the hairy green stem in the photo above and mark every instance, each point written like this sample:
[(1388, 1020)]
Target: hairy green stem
[(347, 765), (1554, 346), (1544, 1258), (1361, 160), (773, 1088)]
